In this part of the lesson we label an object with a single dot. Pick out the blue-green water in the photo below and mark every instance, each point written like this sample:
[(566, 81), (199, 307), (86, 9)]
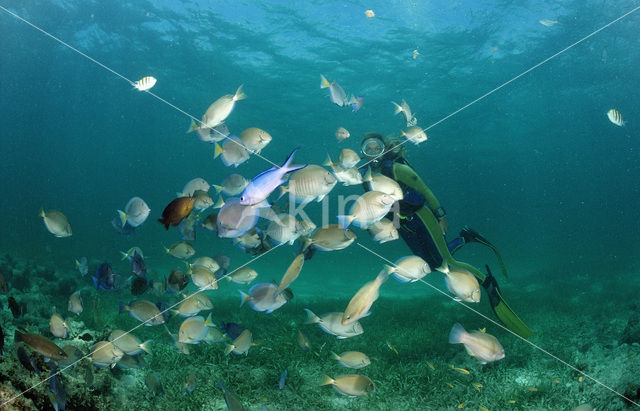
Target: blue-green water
[(536, 166)]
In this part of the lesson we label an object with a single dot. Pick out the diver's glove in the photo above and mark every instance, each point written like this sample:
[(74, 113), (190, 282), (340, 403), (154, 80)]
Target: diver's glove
[(412, 202)]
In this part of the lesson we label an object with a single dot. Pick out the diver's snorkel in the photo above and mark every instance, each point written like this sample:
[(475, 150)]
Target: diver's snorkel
[(372, 147)]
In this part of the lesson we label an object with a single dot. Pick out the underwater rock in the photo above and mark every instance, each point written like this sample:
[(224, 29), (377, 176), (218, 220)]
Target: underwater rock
[(631, 333), (15, 308), (20, 402)]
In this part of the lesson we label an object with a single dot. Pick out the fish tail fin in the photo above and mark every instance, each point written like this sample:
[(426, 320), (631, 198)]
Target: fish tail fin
[(345, 221), (228, 350), (41, 212), (219, 203), (209, 322), (282, 190), (444, 268), (244, 297), (239, 94), (121, 307), (164, 223), (328, 162), (368, 176), (78, 263), (334, 356), (123, 217), (306, 243), (456, 334), (397, 106), (193, 126), (311, 317), (389, 269), (324, 83), (123, 255), (145, 346), (326, 380), (382, 276), (288, 164), (217, 188), (166, 250), (218, 150)]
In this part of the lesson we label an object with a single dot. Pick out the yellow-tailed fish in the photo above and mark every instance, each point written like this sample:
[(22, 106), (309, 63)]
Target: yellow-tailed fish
[(56, 223), (391, 347), (350, 385), (485, 347), (430, 366)]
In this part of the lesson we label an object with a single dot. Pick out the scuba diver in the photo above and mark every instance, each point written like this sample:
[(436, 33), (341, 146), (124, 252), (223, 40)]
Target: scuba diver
[(423, 223)]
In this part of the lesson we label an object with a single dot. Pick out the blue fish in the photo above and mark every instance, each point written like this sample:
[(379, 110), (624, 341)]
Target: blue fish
[(82, 266), (126, 229), (259, 188), (233, 330), (57, 396), (283, 376), (137, 266), (104, 278)]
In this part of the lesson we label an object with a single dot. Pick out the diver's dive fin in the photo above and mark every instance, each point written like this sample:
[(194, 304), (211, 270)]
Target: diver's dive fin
[(469, 235), (502, 310)]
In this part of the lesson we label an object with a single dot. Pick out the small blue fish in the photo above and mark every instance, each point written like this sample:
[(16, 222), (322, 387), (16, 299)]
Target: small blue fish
[(233, 402), (104, 278), (82, 266), (283, 376), (356, 103), (190, 384), (126, 229), (233, 330), (57, 396), (259, 188), (137, 266)]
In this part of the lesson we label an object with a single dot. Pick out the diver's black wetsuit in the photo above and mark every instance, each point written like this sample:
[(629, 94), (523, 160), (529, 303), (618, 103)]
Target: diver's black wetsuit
[(419, 227)]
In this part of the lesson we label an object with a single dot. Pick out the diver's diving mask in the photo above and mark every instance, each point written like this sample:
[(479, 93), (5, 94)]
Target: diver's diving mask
[(372, 147)]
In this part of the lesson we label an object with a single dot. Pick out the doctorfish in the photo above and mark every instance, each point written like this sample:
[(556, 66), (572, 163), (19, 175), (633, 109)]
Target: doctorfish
[(241, 344), (56, 223), (350, 385), (292, 272), (176, 211), (331, 323), (311, 183), (362, 301), (369, 208), (462, 284), (485, 347), (331, 237)]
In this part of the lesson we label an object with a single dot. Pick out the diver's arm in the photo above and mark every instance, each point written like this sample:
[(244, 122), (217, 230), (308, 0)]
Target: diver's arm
[(408, 176)]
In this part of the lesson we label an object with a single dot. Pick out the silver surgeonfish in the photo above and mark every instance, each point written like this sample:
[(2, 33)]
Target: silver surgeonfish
[(485, 347), (331, 323), (409, 269), (331, 237), (219, 110), (232, 152), (284, 229), (194, 185), (362, 301), (232, 185), (369, 208), (311, 183), (135, 212), (351, 385), (406, 111), (235, 219), (264, 297), (383, 231), (336, 93), (56, 223), (255, 139), (462, 284)]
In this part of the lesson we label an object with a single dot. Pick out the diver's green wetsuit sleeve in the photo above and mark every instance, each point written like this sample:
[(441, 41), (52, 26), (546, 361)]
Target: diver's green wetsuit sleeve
[(408, 176), (405, 174)]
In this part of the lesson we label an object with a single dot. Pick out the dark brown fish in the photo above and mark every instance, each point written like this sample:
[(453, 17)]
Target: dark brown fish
[(176, 211), (177, 281), (14, 307), (41, 344)]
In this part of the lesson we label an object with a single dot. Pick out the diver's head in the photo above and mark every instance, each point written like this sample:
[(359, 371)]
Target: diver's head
[(377, 148), (372, 145)]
